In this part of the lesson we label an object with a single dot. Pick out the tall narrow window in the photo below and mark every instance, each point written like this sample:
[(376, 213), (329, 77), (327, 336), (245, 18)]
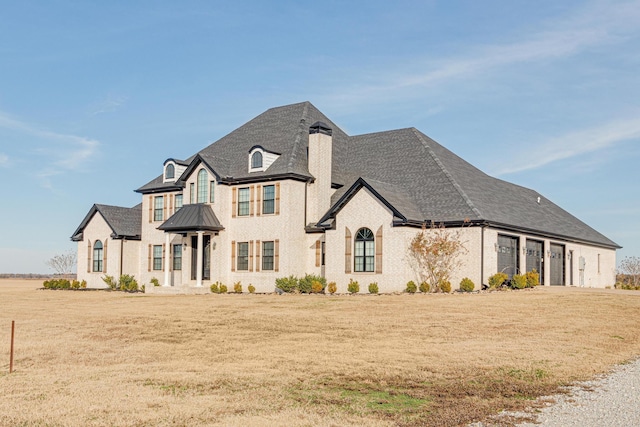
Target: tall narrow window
[(158, 206), (256, 160), (177, 257), (364, 250), (243, 255), (169, 172), (192, 193), (212, 187), (243, 201), (202, 186), (178, 201), (268, 199), (157, 257), (267, 255), (97, 256)]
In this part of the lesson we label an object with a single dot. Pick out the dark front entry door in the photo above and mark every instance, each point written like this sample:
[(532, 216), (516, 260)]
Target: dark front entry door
[(535, 255), (507, 255), (206, 257), (556, 264)]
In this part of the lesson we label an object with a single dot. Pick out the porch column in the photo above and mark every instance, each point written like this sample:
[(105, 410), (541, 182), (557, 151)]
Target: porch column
[(167, 259), (199, 259)]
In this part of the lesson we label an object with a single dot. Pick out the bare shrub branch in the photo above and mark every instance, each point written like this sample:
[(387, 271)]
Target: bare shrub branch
[(64, 263)]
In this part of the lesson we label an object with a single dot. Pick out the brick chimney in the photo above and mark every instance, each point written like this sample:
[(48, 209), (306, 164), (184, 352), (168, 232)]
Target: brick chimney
[(319, 162)]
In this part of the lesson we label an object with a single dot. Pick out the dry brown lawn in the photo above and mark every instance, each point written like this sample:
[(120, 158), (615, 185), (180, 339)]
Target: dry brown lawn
[(95, 358)]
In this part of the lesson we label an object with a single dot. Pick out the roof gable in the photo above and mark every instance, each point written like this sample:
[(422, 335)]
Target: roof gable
[(123, 222)]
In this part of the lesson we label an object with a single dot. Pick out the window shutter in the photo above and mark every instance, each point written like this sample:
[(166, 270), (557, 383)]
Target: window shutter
[(276, 255), (234, 202), (318, 253), (164, 207), (164, 248), (171, 203), (257, 255), (251, 254), (88, 256), (104, 256), (251, 199), (347, 250), (149, 258), (277, 198), (233, 252), (150, 209), (258, 197), (379, 251)]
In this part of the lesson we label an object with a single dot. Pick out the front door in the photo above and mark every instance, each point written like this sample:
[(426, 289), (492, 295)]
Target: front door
[(557, 264), (206, 257)]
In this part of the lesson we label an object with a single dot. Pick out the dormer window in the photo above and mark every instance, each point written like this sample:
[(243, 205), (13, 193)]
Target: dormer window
[(256, 160), (170, 172)]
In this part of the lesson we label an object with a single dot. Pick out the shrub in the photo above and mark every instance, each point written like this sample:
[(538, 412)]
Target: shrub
[(75, 284), (467, 285), (251, 288), (237, 288), (128, 283), (424, 287), (533, 278), (215, 288), (287, 284), (332, 288), (223, 289), (83, 284), (373, 288), (518, 281), (110, 281), (497, 280), (154, 281), (305, 285), (353, 287), (411, 287), (445, 286), (317, 287)]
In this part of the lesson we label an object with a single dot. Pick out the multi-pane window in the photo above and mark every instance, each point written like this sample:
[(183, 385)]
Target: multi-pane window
[(192, 193), (178, 201), (268, 199), (157, 257), (267, 255), (203, 178), (158, 206), (364, 250), (170, 172), (97, 256), (177, 257), (243, 256), (243, 201), (212, 187), (256, 160)]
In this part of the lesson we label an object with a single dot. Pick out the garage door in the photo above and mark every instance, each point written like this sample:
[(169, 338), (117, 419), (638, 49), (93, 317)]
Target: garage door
[(557, 264), (534, 255), (507, 254)]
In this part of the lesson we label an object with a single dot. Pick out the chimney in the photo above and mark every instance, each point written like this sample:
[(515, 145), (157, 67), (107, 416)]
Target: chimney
[(319, 163)]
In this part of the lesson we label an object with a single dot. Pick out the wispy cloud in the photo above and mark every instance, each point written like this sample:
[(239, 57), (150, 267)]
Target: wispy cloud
[(110, 103), (62, 152), (4, 160), (577, 143)]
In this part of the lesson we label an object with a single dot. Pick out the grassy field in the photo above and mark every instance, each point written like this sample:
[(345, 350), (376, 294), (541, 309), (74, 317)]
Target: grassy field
[(94, 358)]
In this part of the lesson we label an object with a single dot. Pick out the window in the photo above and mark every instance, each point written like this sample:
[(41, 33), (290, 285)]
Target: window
[(212, 186), (268, 199), (169, 172), (158, 206), (97, 256), (256, 160), (243, 255), (267, 255), (364, 250), (157, 257), (178, 201), (243, 201), (202, 186), (177, 257), (192, 193)]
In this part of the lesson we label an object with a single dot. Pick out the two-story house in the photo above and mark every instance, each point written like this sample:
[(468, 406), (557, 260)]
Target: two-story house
[(290, 193)]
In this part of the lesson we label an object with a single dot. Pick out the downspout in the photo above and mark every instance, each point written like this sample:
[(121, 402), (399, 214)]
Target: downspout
[(306, 186), (482, 255), (121, 254)]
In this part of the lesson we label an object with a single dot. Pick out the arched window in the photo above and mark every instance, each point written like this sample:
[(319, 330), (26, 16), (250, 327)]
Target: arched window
[(203, 182), (364, 250), (170, 172), (256, 160), (97, 256)]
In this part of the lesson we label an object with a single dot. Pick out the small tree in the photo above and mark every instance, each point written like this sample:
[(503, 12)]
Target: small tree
[(630, 267), (436, 252), (63, 263)]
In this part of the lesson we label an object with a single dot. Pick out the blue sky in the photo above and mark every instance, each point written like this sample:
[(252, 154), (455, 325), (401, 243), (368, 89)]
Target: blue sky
[(94, 96)]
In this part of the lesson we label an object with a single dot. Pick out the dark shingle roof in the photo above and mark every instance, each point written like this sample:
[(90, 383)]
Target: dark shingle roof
[(124, 222), (196, 217)]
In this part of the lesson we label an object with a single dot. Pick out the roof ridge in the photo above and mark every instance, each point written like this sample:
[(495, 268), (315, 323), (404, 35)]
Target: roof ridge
[(455, 184), (299, 135)]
